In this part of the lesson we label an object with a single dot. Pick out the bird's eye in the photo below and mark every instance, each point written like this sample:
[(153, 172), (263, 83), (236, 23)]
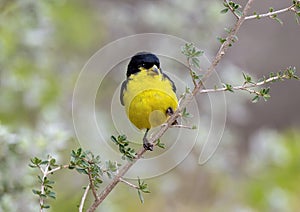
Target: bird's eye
[(141, 65)]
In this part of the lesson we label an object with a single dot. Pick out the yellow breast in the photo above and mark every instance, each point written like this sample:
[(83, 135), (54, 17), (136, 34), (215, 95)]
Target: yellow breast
[(147, 98)]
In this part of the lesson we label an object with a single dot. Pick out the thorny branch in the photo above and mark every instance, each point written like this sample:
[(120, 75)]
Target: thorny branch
[(245, 87), (291, 8)]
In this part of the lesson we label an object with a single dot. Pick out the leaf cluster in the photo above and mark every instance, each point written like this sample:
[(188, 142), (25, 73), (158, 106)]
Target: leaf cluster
[(275, 17), (232, 39), (85, 162), (192, 54), (128, 152), (289, 73), (186, 114), (234, 7), (142, 188), (160, 144), (46, 188)]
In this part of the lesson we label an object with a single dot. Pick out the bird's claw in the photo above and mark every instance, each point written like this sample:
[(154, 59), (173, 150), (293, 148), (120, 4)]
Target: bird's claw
[(147, 145)]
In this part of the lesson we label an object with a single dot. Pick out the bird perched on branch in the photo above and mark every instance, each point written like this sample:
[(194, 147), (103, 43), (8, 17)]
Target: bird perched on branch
[(148, 94)]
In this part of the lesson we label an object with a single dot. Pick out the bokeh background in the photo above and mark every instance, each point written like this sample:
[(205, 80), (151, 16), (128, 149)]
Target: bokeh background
[(45, 44)]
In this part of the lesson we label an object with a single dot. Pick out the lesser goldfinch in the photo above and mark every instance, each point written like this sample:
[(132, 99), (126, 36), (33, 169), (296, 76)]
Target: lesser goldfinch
[(148, 94)]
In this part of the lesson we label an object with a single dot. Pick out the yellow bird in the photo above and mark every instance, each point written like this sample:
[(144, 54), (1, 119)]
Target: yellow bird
[(148, 94)]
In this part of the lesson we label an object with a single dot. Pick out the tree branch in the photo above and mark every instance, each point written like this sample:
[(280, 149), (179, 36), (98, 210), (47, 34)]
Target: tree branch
[(84, 197), (115, 181), (92, 185), (223, 49), (58, 168), (242, 87), (45, 173), (270, 14), (191, 71), (128, 183)]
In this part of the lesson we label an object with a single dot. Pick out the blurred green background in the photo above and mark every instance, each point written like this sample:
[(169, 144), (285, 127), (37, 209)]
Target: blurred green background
[(44, 45)]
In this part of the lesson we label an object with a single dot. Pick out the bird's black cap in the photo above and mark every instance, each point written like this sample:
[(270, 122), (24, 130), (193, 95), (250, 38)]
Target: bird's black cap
[(141, 59)]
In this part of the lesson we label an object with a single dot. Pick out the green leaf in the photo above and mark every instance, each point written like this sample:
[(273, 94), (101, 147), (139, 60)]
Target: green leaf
[(113, 138), (37, 192), (297, 17), (111, 166), (32, 166), (247, 78), (79, 151), (278, 20), (71, 166), (160, 145), (35, 161), (52, 162), (81, 171), (187, 90), (45, 206), (222, 40), (297, 4), (44, 162), (264, 92), (52, 195), (199, 53), (43, 196), (40, 179), (224, 11), (266, 97), (122, 138), (255, 99), (239, 13), (186, 114), (196, 62), (228, 87)]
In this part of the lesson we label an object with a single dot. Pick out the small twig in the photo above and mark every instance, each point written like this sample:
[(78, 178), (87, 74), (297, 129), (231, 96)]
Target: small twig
[(45, 173), (191, 71), (270, 14), (58, 168), (181, 126), (250, 91), (128, 183), (46, 168), (84, 197), (242, 87), (92, 185)]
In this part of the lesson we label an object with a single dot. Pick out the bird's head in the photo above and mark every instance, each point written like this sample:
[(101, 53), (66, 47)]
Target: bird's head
[(143, 61)]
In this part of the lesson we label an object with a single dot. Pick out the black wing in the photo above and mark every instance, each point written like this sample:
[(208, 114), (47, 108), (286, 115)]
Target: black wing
[(123, 88)]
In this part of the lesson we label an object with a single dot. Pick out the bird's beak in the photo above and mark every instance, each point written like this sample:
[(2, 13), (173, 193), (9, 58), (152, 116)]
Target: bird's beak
[(154, 69)]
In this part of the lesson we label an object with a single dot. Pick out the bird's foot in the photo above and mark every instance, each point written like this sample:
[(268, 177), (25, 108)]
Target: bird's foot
[(147, 145)]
